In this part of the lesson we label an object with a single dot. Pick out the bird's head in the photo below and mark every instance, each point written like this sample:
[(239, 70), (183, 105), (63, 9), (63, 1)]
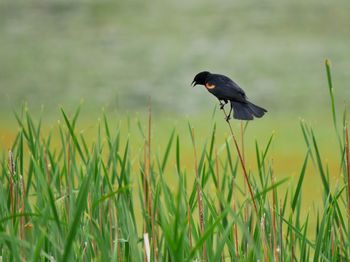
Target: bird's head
[(200, 78)]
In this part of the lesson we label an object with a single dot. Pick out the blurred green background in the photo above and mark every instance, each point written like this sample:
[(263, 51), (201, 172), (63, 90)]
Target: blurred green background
[(115, 54)]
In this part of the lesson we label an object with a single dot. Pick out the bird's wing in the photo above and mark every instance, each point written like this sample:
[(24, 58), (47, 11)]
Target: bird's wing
[(226, 88)]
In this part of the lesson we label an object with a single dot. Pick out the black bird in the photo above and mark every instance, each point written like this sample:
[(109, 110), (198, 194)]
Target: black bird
[(226, 90)]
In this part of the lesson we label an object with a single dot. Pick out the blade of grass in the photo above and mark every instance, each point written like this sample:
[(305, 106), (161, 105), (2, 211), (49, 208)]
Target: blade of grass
[(320, 166), (74, 227), (167, 151), (300, 182), (75, 140)]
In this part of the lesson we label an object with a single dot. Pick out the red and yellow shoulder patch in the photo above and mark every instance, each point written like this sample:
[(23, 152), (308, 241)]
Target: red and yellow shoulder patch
[(209, 86)]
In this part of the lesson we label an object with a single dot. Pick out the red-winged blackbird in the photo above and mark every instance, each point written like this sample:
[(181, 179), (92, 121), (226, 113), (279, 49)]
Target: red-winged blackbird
[(226, 90)]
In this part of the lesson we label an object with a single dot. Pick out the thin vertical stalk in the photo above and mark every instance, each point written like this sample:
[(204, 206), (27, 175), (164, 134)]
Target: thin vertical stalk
[(189, 225), (243, 165), (274, 221), (145, 190), (148, 161), (47, 167), (332, 241), (330, 85), (272, 237), (331, 94), (101, 210), (347, 167), (347, 164), (68, 158), (242, 140), (110, 223), (156, 229), (292, 245), (199, 195), (147, 247), (340, 240), (119, 253), (23, 193), (246, 211), (67, 199), (93, 244), (235, 233), (145, 193), (154, 240), (217, 172), (18, 201), (235, 228), (11, 165), (218, 188), (264, 240), (281, 234)]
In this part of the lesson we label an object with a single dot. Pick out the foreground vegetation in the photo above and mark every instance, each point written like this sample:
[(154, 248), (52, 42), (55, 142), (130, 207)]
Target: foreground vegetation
[(80, 201)]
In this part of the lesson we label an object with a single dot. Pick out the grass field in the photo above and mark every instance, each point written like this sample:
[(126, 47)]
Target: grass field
[(119, 195)]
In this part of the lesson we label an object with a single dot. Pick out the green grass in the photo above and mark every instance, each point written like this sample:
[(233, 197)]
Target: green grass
[(70, 195)]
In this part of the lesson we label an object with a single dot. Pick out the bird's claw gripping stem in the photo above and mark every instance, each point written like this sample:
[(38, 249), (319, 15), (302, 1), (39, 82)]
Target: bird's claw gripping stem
[(222, 105), (228, 118)]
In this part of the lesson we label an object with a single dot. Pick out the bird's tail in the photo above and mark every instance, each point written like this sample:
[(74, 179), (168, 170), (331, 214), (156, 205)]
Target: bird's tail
[(247, 110)]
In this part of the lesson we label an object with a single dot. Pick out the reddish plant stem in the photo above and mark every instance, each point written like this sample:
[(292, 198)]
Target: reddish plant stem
[(243, 165), (245, 182), (242, 140)]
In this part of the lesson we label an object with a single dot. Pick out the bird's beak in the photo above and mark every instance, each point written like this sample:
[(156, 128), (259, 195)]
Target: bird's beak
[(193, 83)]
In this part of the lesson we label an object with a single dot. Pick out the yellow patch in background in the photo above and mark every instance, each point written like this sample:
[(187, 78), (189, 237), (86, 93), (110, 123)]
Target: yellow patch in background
[(209, 86)]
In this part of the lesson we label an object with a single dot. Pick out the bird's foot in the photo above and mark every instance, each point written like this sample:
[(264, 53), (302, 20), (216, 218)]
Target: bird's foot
[(228, 118), (222, 105)]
